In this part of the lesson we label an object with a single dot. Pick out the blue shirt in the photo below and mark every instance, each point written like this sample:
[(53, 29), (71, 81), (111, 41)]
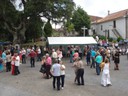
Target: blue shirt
[(3, 55), (93, 53), (98, 59)]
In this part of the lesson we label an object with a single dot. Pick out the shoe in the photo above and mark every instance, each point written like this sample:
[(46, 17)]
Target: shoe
[(47, 78), (78, 84), (82, 84), (109, 85), (58, 89)]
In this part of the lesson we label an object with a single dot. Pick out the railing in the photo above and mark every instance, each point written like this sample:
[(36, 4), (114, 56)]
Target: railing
[(115, 31)]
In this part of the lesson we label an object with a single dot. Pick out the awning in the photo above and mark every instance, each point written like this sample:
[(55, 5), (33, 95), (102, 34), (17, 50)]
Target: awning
[(71, 40)]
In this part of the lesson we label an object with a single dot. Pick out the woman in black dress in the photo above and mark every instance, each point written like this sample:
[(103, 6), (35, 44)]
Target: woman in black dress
[(117, 60)]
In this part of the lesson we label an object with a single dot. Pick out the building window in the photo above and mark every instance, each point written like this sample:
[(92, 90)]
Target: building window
[(94, 32), (101, 27), (114, 24)]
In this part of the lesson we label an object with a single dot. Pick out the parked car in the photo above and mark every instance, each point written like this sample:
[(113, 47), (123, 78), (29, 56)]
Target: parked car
[(125, 41), (121, 42)]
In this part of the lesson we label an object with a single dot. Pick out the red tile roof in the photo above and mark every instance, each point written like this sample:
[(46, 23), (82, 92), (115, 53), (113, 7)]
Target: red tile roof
[(95, 18), (114, 16)]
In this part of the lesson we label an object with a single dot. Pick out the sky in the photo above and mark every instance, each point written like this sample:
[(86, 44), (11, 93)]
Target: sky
[(101, 7)]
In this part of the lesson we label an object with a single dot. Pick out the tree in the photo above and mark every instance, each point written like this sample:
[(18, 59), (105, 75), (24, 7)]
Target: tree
[(17, 23), (48, 29), (34, 29), (80, 19), (69, 26)]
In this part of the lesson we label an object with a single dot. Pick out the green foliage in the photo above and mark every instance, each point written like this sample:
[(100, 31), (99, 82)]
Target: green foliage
[(119, 38), (55, 33), (48, 29), (34, 28), (55, 10), (110, 39), (69, 26), (80, 18), (114, 41), (102, 37)]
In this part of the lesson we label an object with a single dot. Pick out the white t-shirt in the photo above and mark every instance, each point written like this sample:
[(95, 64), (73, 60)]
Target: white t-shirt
[(54, 55), (17, 61), (39, 51), (23, 52), (62, 72)]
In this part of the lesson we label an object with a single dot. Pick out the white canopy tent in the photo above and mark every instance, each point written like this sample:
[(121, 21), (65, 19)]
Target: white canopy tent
[(71, 40)]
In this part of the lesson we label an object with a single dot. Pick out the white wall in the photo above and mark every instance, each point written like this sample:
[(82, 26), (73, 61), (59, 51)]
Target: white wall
[(120, 26)]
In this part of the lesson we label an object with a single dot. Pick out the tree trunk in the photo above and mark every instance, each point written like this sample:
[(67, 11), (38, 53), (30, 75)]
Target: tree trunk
[(15, 38), (14, 31), (22, 34)]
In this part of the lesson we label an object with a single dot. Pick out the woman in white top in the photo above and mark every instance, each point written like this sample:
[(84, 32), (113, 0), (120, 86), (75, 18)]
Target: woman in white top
[(17, 64), (105, 79), (62, 73)]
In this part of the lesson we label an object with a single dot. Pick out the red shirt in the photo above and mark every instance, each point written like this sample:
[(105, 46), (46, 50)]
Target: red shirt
[(32, 54)]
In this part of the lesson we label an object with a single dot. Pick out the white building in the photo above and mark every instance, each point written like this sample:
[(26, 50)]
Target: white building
[(113, 25)]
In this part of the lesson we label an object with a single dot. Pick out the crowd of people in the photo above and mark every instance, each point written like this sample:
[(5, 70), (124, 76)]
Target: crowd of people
[(52, 65)]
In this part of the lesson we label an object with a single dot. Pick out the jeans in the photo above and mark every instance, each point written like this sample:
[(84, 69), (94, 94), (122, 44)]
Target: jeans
[(71, 58), (58, 82), (8, 66), (80, 55), (97, 68), (62, 80), (80, 75), (23, 59), (38, 57), (93, 62), (32, 62), (88, 60), (16, 70)]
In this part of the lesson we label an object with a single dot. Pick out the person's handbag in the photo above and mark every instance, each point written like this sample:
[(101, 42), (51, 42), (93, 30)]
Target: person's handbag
[(102, 66), (42, 69)]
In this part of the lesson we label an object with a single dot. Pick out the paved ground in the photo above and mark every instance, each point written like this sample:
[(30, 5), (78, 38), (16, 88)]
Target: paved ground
[(31, 83)]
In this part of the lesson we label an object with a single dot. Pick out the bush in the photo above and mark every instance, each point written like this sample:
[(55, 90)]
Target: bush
[(119, 38), (114, 41), (102, 37), (110, 39)]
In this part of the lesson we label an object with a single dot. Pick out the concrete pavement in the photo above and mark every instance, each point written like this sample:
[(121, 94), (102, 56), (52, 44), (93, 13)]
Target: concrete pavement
[(31, 83)]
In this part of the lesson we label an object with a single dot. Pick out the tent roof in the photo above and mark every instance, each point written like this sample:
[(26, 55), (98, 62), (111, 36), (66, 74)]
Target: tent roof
[(71, 40)]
